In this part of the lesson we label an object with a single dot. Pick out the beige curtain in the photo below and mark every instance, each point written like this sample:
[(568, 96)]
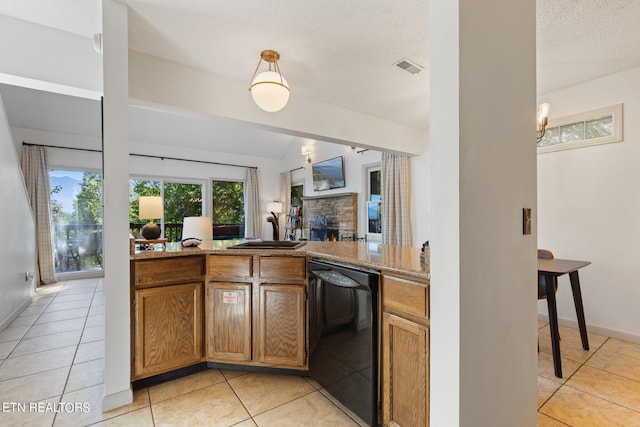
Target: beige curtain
[(396, 225), (285, 198), (36, 177), (252, 202), (285, 194)]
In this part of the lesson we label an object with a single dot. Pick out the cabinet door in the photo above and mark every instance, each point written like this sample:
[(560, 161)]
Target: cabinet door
[(405, 372), (282, 325), (228, 321), (168, 330)]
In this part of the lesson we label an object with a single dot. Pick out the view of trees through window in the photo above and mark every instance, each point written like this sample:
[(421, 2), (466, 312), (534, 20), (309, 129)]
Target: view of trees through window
[(76, 220), (228, 209), (297, 192), (180, 200)]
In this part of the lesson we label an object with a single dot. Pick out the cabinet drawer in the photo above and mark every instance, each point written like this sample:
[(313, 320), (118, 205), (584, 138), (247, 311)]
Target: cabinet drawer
[(281, 267), (171, 270), (230, 266), (408, 296)]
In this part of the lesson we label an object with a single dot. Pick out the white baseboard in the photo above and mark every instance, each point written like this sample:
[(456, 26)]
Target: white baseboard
[(116, 400), (14, 314), (600, 330)]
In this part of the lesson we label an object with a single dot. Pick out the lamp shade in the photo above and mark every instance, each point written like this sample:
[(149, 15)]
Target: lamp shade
[(197, 227), (150, 207), (275, 207), (543, 114), (270, 91)]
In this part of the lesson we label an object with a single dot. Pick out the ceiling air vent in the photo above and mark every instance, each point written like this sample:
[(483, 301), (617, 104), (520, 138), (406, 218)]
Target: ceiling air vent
[(408, 66)]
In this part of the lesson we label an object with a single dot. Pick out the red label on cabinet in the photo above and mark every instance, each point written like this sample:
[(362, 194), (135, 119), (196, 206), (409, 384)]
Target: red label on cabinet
[(230, 297)]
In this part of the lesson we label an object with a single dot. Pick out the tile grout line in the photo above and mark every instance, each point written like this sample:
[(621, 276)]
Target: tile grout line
[(567, 380), (601, 370), (75, 354), (566, 385), (240, 400), (153, 418), (30, 326)]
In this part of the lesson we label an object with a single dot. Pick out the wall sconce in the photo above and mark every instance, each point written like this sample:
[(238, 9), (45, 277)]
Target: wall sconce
[(306, 153), (275, 208), (543, 119), (150, 207), (269, 89)]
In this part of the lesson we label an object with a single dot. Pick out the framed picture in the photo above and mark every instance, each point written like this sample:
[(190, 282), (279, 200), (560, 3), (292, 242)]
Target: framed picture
[(328, 174)]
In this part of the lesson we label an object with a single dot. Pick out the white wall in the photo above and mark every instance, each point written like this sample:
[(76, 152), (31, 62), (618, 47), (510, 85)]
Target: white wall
[(421, 196), (157, 81), (115, 193), (588, 205), (17, 233), (482, 298), (72, 65)]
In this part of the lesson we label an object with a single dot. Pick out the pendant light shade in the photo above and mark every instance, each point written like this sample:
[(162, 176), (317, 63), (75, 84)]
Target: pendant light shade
[(269, 89)]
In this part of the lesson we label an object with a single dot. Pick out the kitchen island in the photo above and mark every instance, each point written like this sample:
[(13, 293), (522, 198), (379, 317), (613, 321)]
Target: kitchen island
[(231, 308)]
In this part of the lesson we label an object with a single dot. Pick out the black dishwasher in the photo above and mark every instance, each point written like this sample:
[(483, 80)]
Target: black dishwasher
[(343, 334)]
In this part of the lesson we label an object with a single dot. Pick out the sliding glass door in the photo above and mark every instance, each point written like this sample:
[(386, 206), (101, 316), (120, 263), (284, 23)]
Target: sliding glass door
[(76, 220)]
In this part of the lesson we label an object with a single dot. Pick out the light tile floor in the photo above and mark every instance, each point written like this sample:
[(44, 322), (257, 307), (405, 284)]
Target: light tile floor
[(51, 359), (52, 356), (600, 387)]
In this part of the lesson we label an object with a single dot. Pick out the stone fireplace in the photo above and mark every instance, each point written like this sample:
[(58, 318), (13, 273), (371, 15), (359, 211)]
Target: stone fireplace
[(330, 217)]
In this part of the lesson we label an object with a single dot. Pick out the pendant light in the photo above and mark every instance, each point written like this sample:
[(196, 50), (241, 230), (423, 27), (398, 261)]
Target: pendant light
[(269, 89)]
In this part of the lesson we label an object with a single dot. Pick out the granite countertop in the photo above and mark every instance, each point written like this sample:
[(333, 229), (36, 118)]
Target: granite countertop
[(393, 259)]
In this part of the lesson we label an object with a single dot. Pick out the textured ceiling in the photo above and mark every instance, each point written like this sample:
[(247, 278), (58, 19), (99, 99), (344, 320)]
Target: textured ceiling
[(579, 40), (341, 52)]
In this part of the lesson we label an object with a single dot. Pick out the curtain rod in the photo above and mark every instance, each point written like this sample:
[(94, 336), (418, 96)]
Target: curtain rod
[(142, 155), (301, 167)]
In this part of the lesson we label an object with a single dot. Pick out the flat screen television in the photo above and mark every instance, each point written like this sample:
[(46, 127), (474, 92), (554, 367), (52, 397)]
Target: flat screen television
[(328, 174)]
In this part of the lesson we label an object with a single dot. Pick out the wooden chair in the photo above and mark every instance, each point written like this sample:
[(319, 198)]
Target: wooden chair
[(542, 290)]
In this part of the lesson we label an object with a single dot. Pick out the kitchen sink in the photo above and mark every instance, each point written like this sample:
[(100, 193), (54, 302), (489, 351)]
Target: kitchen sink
[(268, 244)]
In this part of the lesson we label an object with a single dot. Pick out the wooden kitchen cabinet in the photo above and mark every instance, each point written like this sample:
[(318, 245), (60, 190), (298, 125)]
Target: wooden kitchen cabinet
[(228, 321), (281, 325), (256, 311), (168, 328), (166, 313), (405, 352)]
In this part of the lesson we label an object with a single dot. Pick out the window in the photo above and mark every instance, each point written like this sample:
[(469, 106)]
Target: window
[(297, 192), (293, 226), (228, 209), (374, 203), (594, 127), (179, 200), (76, 220)]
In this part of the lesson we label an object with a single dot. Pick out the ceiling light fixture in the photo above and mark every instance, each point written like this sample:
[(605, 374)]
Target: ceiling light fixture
[(543, 119), (269, 89)]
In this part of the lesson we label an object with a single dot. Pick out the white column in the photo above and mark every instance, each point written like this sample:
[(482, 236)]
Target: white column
[(483, 269), (117, 386)]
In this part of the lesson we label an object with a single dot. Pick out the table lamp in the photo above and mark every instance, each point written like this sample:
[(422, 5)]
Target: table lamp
[(150, 207), (197, 227), (275, 208)]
